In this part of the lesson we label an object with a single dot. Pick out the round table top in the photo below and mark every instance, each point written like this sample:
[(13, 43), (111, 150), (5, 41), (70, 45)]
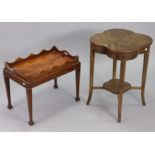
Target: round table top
[(121, 43)]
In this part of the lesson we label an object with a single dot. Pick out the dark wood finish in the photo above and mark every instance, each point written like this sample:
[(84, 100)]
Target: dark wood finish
[(123, 45), (29, 101), (7, 85), (77, 75), (35, 66), (37, 69), (55, 83)]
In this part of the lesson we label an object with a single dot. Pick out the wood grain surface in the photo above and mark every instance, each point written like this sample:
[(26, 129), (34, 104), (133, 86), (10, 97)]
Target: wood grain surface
[(121, 44), (37, 65)]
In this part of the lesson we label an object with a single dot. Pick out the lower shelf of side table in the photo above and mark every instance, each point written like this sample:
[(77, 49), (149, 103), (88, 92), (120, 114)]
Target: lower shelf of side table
[(114, 86)]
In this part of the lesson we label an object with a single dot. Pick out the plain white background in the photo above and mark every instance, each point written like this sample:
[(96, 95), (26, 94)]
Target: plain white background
[(56, 110)]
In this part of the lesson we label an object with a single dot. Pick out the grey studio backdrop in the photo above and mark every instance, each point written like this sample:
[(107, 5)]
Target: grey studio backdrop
[(56, 110)]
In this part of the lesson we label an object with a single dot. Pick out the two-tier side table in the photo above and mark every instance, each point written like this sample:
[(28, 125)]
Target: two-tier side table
[(123, 45), (38, 69)]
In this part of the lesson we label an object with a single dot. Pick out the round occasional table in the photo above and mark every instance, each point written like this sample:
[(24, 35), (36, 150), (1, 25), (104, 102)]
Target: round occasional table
[(122, 45)]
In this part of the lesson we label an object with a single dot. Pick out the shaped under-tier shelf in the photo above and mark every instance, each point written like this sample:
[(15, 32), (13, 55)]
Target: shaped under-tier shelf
[(115, 87)]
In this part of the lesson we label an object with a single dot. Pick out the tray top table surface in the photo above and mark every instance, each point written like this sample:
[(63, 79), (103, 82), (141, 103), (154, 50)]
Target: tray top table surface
[(38, 65)]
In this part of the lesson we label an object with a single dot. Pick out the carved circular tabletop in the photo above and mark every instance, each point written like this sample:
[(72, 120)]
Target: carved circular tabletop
[(121, 44)]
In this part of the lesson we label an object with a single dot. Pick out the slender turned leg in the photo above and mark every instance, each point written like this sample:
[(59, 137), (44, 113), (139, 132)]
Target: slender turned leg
[(120, 95), (7, 85), (114, 68), (92, 60), (55, 83), (29, 100), (77, 72), (144, 74), (120, 98)]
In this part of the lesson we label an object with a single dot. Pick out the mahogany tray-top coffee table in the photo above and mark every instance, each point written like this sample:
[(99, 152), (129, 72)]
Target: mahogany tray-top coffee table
[(38, 69)]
